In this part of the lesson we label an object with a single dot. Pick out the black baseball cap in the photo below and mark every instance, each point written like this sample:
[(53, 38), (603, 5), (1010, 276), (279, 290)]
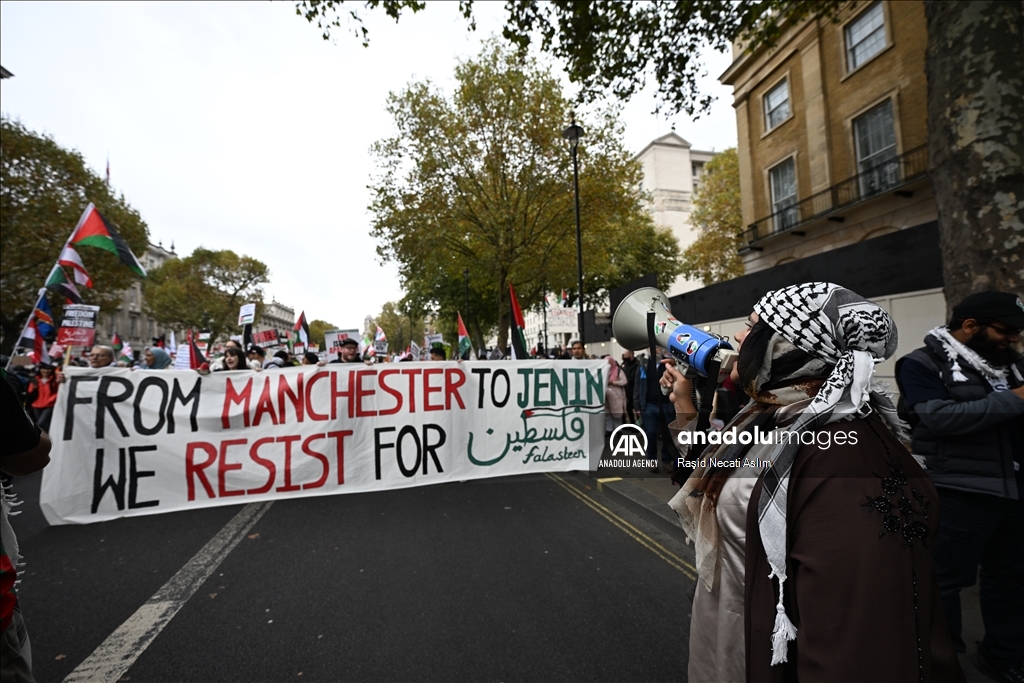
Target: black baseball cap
[(349, 340), (1002, 307)]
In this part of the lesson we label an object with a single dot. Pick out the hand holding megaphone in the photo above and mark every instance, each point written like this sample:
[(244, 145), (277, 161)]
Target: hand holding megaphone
[(695, 350)]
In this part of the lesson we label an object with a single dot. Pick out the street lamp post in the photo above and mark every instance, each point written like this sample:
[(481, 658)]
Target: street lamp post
[(573, 134), (465, 277)]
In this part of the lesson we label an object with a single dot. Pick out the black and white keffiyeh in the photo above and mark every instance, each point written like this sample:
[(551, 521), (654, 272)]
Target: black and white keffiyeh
[(852, 334)]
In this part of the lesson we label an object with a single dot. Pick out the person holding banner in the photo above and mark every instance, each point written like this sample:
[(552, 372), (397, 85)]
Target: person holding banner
[(157, 358), (233, 360), (349, 352), (101, 357)]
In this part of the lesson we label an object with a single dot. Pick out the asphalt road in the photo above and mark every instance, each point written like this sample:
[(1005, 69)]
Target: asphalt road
[(532, 578)]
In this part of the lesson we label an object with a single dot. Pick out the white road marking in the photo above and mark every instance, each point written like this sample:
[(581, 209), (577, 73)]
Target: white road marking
[(122, 647)]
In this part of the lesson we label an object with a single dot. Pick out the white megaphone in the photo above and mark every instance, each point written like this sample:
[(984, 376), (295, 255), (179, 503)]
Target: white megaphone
[(695, 349)]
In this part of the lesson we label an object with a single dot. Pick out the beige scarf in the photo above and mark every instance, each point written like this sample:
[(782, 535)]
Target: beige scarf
[(696, 501)]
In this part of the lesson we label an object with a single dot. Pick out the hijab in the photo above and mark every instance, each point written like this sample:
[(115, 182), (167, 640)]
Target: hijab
[(161, 359)]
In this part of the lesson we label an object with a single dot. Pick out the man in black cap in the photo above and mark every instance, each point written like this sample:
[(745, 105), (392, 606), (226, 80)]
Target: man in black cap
[(437, 352), (349, 352), (963, 395), (255, 355)]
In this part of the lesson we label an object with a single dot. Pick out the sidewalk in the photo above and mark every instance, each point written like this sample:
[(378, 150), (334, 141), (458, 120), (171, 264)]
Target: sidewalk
[(649, 497)]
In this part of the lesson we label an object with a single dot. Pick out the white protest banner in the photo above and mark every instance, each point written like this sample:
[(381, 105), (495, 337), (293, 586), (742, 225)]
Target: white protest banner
[(562, 320), (247, 314), (431, 339), (414, 351), (135, 443), (78, 327)]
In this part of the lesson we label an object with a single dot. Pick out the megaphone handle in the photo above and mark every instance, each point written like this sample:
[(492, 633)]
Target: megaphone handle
[(707, 397)]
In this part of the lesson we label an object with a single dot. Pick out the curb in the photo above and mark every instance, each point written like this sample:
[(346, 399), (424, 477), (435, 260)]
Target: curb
[(648, 506)]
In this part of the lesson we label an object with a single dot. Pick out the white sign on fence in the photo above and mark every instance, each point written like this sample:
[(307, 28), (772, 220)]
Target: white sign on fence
[(135, 443)]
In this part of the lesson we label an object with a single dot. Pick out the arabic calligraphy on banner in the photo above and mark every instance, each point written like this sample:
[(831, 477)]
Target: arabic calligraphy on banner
[(134, 443)]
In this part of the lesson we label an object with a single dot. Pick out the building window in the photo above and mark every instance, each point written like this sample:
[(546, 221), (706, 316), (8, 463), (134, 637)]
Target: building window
[(876, 150), (865, 36), (783, 186), (132, 333), (776, 105)]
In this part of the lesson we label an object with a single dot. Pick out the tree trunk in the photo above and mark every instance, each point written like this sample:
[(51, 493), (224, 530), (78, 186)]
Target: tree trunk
[(976, 143)]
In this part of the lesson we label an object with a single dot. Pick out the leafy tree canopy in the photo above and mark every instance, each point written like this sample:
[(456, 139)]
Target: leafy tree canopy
[(316, 332), (482, 181), (399, 321), (615, 47), (205, 290), (44, 188), (717, 213)]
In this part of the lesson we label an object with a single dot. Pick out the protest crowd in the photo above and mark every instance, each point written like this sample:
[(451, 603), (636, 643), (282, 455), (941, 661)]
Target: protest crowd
[(875, 537)]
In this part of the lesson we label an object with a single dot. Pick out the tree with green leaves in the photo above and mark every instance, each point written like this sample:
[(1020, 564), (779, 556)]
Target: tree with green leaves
[(401, 323), (975, 129), (481, 180), (44, 188), (205, 290), (717, 214), (317, 328)]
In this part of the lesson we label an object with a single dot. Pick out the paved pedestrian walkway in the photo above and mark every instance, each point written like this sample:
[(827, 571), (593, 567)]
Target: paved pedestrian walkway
[(649, 497)]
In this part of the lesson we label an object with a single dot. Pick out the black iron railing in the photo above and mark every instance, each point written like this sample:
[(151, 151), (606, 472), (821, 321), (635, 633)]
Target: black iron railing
[(885, 176)]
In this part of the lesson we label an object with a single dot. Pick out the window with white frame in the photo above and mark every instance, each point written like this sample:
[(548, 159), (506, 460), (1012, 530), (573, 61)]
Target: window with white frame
[(865, 36), (776, 105), (875, 138), (782, 179)]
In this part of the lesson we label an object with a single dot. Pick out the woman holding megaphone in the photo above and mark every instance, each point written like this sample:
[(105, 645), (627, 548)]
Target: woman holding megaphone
[(812, 524)]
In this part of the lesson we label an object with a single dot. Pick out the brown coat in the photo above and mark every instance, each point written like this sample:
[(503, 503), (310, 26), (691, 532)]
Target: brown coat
[(861, 586)]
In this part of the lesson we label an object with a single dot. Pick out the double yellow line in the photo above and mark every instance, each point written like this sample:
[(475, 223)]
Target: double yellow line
[(640, 537)]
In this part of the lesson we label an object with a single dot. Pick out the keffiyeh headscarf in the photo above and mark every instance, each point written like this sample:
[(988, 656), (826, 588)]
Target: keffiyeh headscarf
[(852, 334)]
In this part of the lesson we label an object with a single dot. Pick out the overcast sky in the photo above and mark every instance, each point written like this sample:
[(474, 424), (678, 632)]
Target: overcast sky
[(235, 126)]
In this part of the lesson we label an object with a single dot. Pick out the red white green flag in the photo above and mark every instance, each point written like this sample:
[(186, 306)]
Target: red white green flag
[(465, 344), (126, 354), (70, 258), (58, 282), (116, 343), (518, 328), (32, 338), (94, 231), (300, 333)]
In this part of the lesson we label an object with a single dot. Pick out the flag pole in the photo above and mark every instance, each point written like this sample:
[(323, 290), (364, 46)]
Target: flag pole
[(28, 321)]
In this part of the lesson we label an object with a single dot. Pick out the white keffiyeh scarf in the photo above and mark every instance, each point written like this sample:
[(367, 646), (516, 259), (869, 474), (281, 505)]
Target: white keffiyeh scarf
[(835, 325)]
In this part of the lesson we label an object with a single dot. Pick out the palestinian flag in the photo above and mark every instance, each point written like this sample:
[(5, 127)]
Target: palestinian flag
[(380, 336), (93, 231), (70, 258), (195, 357), (116, 343), (465, 344), (300, 333), (125, 353), (58, 282), (43, 316), (31, 338), (518, 328)]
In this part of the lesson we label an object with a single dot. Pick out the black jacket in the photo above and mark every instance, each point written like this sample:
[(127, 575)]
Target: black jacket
[(967, 439)]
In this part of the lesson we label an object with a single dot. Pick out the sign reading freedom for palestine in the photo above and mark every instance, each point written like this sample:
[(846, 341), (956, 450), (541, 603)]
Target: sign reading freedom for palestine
[(133, 443)]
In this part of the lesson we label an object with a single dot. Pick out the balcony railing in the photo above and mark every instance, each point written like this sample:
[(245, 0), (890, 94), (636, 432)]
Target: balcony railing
[(885, 176)]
